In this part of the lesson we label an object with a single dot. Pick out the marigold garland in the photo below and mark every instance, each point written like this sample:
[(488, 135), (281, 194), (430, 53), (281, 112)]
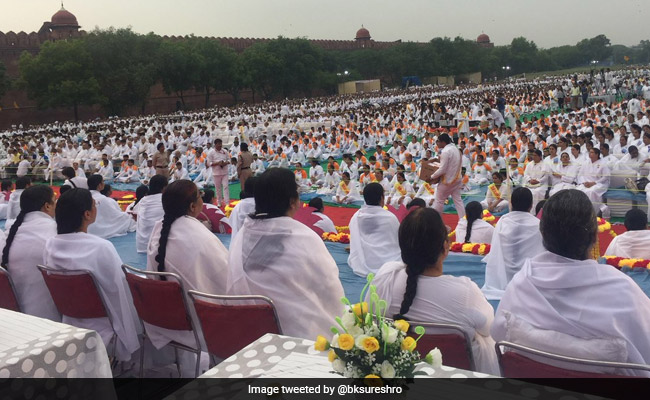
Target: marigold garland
[(473, 248), (230, 207), (620, 262), (343, 229), (605, 226), (336, 237)]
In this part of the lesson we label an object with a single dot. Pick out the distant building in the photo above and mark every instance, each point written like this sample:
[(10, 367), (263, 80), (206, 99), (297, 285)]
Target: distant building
[(483, 40)]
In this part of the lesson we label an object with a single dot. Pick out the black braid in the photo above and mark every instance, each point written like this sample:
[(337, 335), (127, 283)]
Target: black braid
[(468, 234), (409, 294), (12, 234), (168, 220)]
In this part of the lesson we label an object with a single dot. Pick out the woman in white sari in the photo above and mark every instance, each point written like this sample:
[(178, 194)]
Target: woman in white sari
[(416, 289), (181, 244), (23, 250), (149, 211), (281, 258)]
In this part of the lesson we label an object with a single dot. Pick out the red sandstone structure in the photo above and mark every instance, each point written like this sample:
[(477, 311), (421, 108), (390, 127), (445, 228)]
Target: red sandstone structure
[(483, 40)]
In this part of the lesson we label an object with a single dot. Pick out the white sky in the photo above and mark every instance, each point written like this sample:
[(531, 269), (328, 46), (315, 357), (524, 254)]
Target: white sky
[(547, 22)]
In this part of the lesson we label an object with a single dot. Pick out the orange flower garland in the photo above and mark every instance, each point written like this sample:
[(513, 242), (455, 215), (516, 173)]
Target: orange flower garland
[(620, 262), (336, 237), (230, 207), (605, 226), (343, 229), (473, 248)]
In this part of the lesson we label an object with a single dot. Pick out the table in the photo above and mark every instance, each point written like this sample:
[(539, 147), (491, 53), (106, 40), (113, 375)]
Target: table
[(32, 347), (283, 358), (277, 356)]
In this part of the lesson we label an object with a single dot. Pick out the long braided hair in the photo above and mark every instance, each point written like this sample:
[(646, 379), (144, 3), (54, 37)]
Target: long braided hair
[(32, 199), (422, 237), (473, 211), (176, 200)]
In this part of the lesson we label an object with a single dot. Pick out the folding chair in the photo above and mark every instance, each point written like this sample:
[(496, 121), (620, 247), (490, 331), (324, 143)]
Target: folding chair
[(162, 303), (518, 364), (452, 340), (228, 328), (76, 295), (8, 298)]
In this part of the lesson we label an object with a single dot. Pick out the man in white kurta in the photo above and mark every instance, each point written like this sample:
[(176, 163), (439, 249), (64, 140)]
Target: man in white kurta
[(449, 174), (635, 242), (83, 251), (516, 237), (536, 178), (373, 234), (570, 304), (593, 180), (285, 260)]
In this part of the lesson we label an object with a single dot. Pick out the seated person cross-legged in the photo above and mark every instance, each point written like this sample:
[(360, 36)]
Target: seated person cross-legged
[(564, 302), (416, 288), (472, 228), (276, 256), (635, 242), (516, 237)]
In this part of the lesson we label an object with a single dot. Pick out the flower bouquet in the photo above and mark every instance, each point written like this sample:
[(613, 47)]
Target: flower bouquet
[(368, 345)]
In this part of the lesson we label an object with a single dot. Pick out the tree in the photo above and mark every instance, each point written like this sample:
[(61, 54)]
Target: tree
[(262, 66), (5, 82), (594, 49), (124, 64), (216, 67), (60, 75), (180, 67)]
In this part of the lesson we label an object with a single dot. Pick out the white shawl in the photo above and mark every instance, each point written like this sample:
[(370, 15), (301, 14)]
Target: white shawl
[(516, 238), (285, 260), (373, 239)]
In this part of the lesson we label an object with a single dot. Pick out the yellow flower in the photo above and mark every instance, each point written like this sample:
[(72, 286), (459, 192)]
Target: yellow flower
[(628, 262), (346, 342), (321, 343), (372, 380), (331, 356), (402, 325), (481, 249), (467, 247), (409, 344), (370, 345), (360, 308)]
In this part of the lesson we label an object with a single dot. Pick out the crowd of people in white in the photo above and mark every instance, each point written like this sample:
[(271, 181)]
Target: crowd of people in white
[(383, 138)]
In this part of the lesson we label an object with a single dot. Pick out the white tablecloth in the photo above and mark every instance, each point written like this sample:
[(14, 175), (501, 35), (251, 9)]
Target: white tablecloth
[(276, 356), (32, 347)]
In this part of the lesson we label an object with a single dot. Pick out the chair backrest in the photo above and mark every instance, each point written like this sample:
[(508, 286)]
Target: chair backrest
[(8, 299), (518, 364), (159, 303), (452, 341), (228, 328), (75, 293)]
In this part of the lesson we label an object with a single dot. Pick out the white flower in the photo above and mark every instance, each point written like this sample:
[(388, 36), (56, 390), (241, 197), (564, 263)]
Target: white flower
[(434, 358), (338, 366), (335, 341), (373, 331), (387, 370), (391, 337), (348, 320), (355, 331), (358, 341)]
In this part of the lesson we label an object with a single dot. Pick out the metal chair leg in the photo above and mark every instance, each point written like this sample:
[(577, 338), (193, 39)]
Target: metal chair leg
[(144, 339), (198, 363), (178, 364)]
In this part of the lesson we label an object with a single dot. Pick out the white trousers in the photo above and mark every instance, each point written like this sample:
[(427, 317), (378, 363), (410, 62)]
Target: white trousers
[(443, 191), (221, 183)]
